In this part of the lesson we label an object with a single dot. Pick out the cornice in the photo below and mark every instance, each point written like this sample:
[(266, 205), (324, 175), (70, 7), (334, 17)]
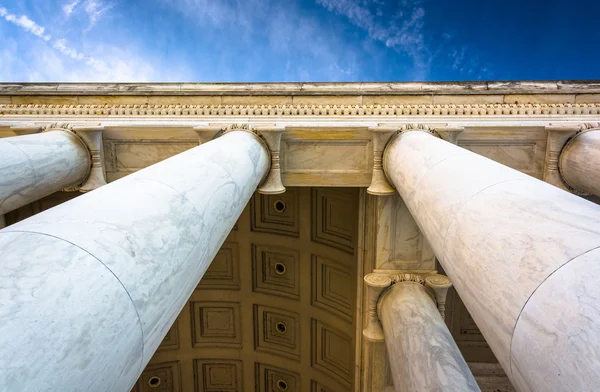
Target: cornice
[(300, 110), (359, 88)]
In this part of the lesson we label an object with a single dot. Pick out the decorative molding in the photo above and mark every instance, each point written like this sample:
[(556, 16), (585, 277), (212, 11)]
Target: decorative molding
[(332, 352), (223, 273), (160, 377), (146, 110), (437, 286), (332, 287), (92, 137), (276, 214), (330, 223), (450, 134), (207, 133), (274, 379), (218, 375), (277, 331), (276, 271), (216, 324), (25, 129), (171, 339), (380, 185), (376, 283), (556, 140), (272, 185), (57, 127)]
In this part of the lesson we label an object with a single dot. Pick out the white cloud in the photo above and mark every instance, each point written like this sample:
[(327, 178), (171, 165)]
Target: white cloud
[(55, 59), (95, 9), (25, 23), (61, 45), (69, 7)]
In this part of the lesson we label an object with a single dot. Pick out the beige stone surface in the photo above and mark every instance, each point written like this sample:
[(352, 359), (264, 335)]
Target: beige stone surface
[(44, 100), (466, 99), (587, 98), (327, 100), (539, 98), (256, 100), (397, 99), (111, 100), (185, 100)]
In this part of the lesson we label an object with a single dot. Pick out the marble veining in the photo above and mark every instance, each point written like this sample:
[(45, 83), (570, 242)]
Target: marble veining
[(579, 161), (498, 234), (157, 231), (34, 166), (421, 350)]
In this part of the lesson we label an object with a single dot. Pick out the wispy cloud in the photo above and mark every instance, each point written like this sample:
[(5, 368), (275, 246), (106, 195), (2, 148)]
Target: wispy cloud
[(400, 30), (25, 23), (298, 44), (107, 63), (92, 9), (95, 10), (68, 8)]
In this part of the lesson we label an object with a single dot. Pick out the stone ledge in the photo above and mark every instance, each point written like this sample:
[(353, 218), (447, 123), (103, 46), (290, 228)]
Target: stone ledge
[(299, 89)]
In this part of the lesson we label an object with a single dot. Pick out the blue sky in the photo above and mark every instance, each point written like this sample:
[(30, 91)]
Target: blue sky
[(298, 40)]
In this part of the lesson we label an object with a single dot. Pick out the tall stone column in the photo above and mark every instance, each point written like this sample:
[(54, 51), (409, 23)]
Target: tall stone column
[(35, 166), (521, 253), (90, 288), (579, 162), (422, 353)]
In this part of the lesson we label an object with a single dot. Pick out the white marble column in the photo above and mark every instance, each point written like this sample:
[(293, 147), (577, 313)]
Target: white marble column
[(579, 162), (35, 166), (522, 254), (422, 353), (90, 288)]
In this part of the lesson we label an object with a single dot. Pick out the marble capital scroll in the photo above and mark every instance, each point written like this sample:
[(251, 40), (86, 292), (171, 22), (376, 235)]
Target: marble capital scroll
[(514, 247), (377, 282), (381, 135), (408, 315), (271, 136), (91, 287)]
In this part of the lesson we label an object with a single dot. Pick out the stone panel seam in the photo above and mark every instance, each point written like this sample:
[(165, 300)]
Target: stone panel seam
[(510, 356), (471, 198), (111, 272), (460, 209)]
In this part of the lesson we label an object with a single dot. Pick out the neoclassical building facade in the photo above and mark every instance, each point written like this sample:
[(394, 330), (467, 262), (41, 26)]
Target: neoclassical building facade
[(300, 237)]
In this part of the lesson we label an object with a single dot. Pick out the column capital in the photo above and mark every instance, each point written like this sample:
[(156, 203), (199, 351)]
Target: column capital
[(269, 137), (380, 185), (379, 281), (91, 134)]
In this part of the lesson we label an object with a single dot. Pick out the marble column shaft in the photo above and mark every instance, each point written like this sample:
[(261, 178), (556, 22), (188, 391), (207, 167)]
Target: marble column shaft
[(422, 352), (90, 288), (522, 254), (35, 166), (579, 162)]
